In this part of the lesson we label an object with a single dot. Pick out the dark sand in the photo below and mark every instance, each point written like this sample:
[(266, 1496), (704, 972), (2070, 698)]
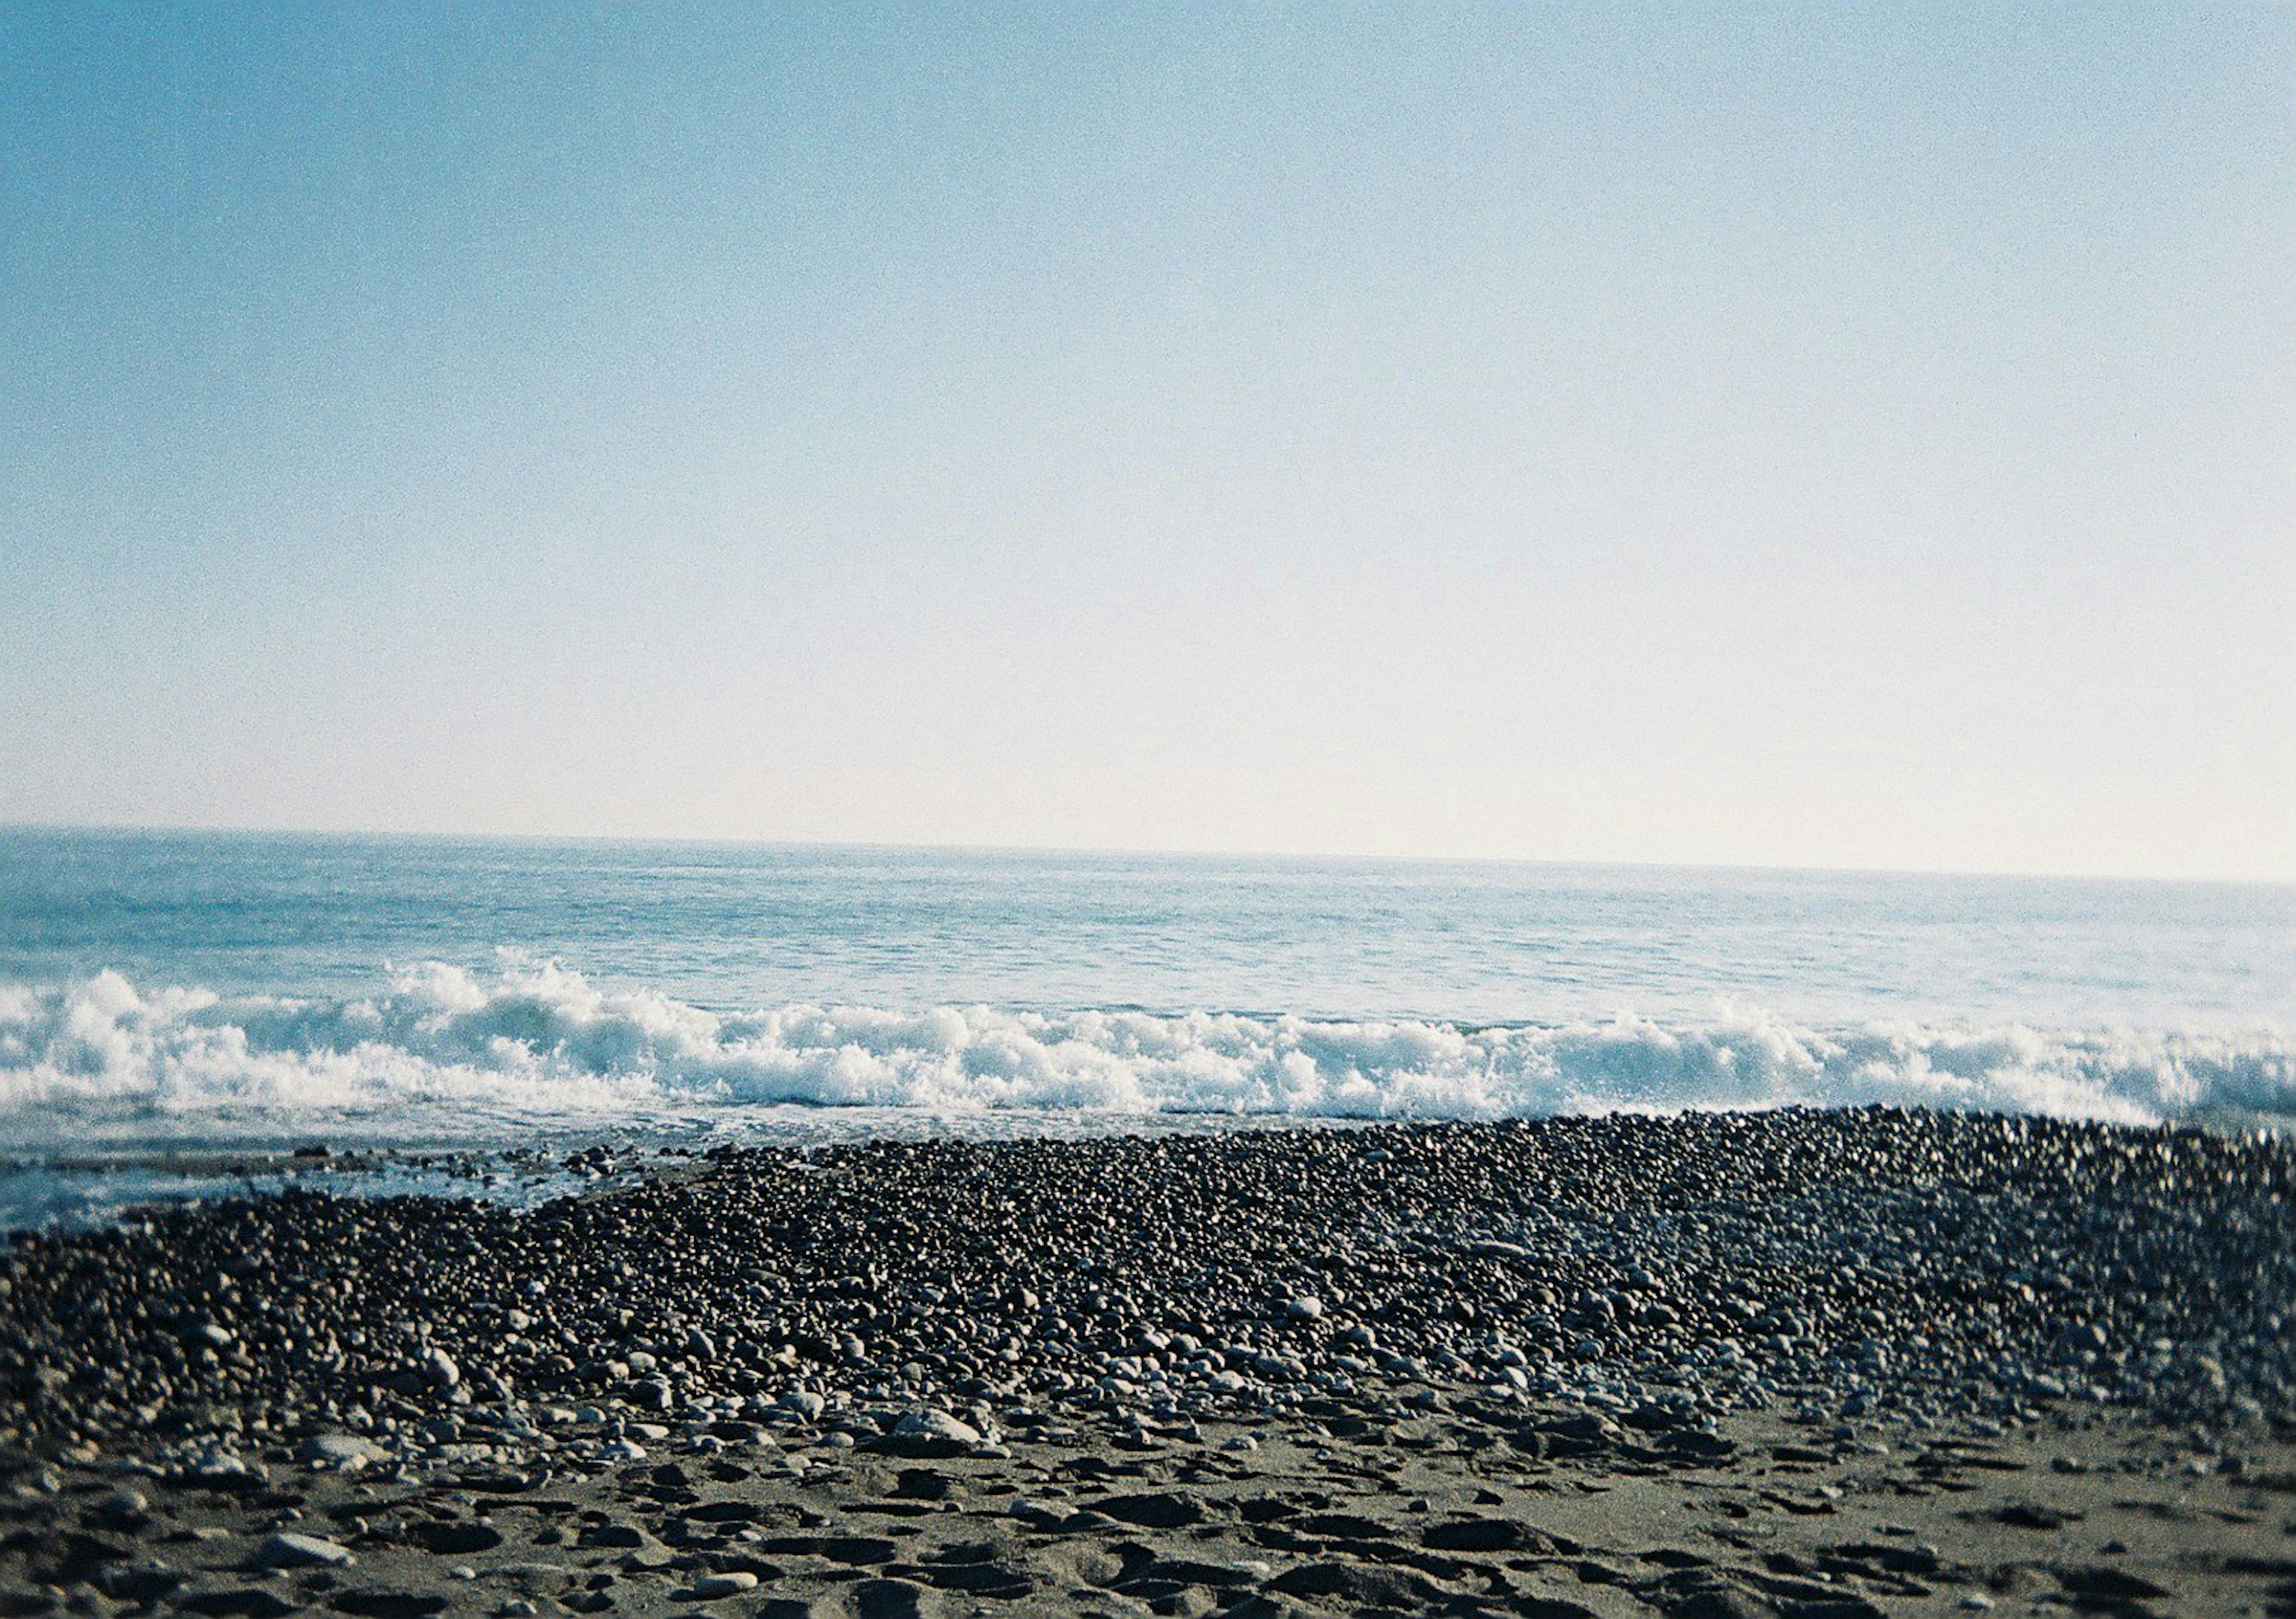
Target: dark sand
[(1822, 1365)]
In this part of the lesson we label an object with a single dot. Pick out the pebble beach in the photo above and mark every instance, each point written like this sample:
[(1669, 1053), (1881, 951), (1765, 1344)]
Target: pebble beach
[(1821, 1363), (1263, 812)]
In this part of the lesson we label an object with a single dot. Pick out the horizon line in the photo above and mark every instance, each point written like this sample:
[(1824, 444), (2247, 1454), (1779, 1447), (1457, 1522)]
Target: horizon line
[(132, 827)]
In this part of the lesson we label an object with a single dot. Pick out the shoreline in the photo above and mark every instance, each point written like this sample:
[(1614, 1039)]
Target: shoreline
[(57, 1190), (1775, 1322)]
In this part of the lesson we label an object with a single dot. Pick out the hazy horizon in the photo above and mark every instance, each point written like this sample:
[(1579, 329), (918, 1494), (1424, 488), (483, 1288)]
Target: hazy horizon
[(444, 835), (1791, 437)]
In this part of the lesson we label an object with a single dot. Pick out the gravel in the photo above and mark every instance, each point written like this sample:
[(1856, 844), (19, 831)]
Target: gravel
[(1880, 1266)]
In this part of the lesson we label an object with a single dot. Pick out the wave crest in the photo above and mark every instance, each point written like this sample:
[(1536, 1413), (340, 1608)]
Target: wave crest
[(439, 1045)]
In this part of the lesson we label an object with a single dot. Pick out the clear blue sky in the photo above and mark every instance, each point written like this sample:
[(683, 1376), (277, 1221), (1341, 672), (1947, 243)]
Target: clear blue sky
[(1827, 435)]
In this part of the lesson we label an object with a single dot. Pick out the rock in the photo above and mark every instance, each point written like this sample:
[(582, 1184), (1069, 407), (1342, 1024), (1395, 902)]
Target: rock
[(338, 1452), (1305, 1308), (439, 1371), (929, 1433), (1492, 1247), (453, 1538), (123, 1505), (894, 1599), (217, 1465), (708, 1588), (287, 1549)]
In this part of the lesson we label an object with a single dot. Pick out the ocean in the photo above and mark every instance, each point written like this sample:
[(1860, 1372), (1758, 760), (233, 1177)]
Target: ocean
[(177, 993)]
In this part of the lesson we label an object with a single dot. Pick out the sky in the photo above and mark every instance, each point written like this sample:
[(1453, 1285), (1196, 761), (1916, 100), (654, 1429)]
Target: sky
[(1805, 435)]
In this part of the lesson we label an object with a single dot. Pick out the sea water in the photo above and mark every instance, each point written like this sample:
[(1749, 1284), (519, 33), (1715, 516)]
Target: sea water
[(173, 992)]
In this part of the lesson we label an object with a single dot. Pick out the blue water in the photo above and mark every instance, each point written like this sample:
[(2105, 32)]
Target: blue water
[(172, 989)]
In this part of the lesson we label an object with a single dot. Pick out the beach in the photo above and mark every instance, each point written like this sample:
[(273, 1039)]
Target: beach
[(1811, 1362), (854, 812)]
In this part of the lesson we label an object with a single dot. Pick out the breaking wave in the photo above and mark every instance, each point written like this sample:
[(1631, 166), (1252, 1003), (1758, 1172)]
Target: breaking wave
[(441, 1047)]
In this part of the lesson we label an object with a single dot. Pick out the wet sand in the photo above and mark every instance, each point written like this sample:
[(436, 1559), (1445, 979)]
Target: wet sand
[(1817, 1364)]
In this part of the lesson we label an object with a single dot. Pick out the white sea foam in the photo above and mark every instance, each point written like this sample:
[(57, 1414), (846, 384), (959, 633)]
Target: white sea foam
[(438, 1048)]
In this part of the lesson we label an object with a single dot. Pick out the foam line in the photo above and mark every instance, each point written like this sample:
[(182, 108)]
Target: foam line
[(436, 1044)]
